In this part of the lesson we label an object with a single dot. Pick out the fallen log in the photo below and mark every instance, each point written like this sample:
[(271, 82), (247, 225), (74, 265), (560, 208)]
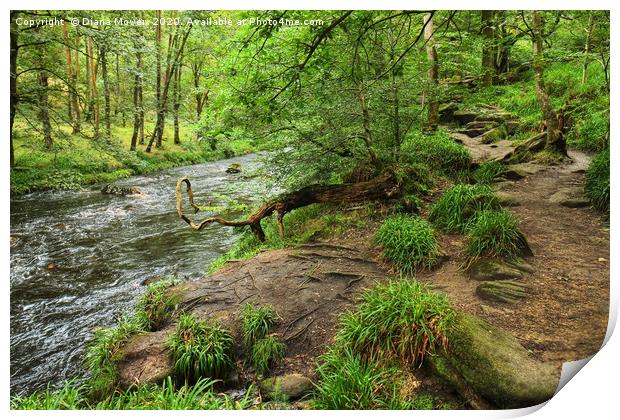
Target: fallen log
[(381, 187)]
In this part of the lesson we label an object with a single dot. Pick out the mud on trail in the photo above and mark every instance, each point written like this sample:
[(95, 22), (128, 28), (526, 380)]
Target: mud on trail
[(562, 318)]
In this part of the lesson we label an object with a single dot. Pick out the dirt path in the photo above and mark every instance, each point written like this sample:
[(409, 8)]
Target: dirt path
[(564, 316)]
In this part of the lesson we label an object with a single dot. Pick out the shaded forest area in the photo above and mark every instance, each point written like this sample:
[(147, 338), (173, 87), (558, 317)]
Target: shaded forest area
[(441, 242)]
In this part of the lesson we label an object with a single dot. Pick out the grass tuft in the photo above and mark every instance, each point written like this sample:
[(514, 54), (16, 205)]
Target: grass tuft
[(488, 172), (494, 234), (156, 306), (200, 349), (265, 352), (459, 203), (597, 186), (256, 322), (400, 319), (439, 151), (409, 242)]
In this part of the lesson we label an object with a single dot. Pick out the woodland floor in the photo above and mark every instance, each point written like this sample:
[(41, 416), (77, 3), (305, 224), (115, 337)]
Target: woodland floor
[(563, 318)]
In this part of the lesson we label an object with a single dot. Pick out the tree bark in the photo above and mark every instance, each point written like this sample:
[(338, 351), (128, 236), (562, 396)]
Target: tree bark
[(136, 102), (94, 99), (13, 81), (555, 142), (433, 72), (488, 47), (586, 59), (71, 85), (77, 117), (176, 97), (44, 115), (379, 188), (106, 93)]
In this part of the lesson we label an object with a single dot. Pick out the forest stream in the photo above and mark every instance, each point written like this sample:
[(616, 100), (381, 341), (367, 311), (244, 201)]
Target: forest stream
[(79, 259)]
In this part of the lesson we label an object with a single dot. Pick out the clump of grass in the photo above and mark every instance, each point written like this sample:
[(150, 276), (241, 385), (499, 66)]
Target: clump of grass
[(157, 306), (347, 382), (409, 242), (399, 319), (70, 396), (266, 352), (200, 349), (439, 151), (256, 322), (597, 186), (104, 351), (459, 203), (488, 172), (494, 234)]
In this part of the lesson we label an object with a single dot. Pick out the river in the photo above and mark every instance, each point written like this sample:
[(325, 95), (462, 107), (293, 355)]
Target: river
[(79, 258)]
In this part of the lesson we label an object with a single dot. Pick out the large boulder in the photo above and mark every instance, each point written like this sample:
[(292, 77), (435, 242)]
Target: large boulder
[(489, 362)]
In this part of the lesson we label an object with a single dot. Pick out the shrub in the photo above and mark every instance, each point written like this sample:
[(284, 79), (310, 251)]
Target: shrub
[(459, 203), (494, 234), (256, 322), (409, 242), (200, 349), (400, 319), (266, 352), (597, 181), (488, 172), (439, 151)]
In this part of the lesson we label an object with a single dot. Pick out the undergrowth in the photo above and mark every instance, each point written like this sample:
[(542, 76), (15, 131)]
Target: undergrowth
[(439, 151), (597, 185), (494, 234), (489, 172)]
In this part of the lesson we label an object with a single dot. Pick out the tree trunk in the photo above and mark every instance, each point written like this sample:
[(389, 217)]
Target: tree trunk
[(555, 143), (433, 72), (106, 93), (379, 188), (77, 118), (89, 94), (44, 115), (13, 82), (141, 101), (70, 83), (176, 95), (136, 102), (157, 82), (586, 59), (488, 47), (94, 95)]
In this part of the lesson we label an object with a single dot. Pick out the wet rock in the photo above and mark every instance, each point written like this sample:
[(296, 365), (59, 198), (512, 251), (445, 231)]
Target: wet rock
[(234, 168), (506, 291), (288, 387), (154, 362), (120, 190), (486, 269), (485, 361), (150, 280), (51, 267)]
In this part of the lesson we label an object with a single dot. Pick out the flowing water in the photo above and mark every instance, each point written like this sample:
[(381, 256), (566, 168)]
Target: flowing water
[(79, 258)]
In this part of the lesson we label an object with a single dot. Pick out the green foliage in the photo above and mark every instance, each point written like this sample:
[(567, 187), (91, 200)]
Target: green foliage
[(104, 351), (489, 172), (200, 349), (494, 234), (156, 306), (409, 242), (597, 186), (400, 319), (439, 151), (166, 396), (347, 382), (265, 352), (256, 322), (68, 397), (459, 203)]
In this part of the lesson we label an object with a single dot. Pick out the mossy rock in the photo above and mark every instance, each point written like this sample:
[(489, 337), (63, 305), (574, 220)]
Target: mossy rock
[(464, 117), (507, 291), (486, 269), (286, 387), (494, 366), (493, 135)]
